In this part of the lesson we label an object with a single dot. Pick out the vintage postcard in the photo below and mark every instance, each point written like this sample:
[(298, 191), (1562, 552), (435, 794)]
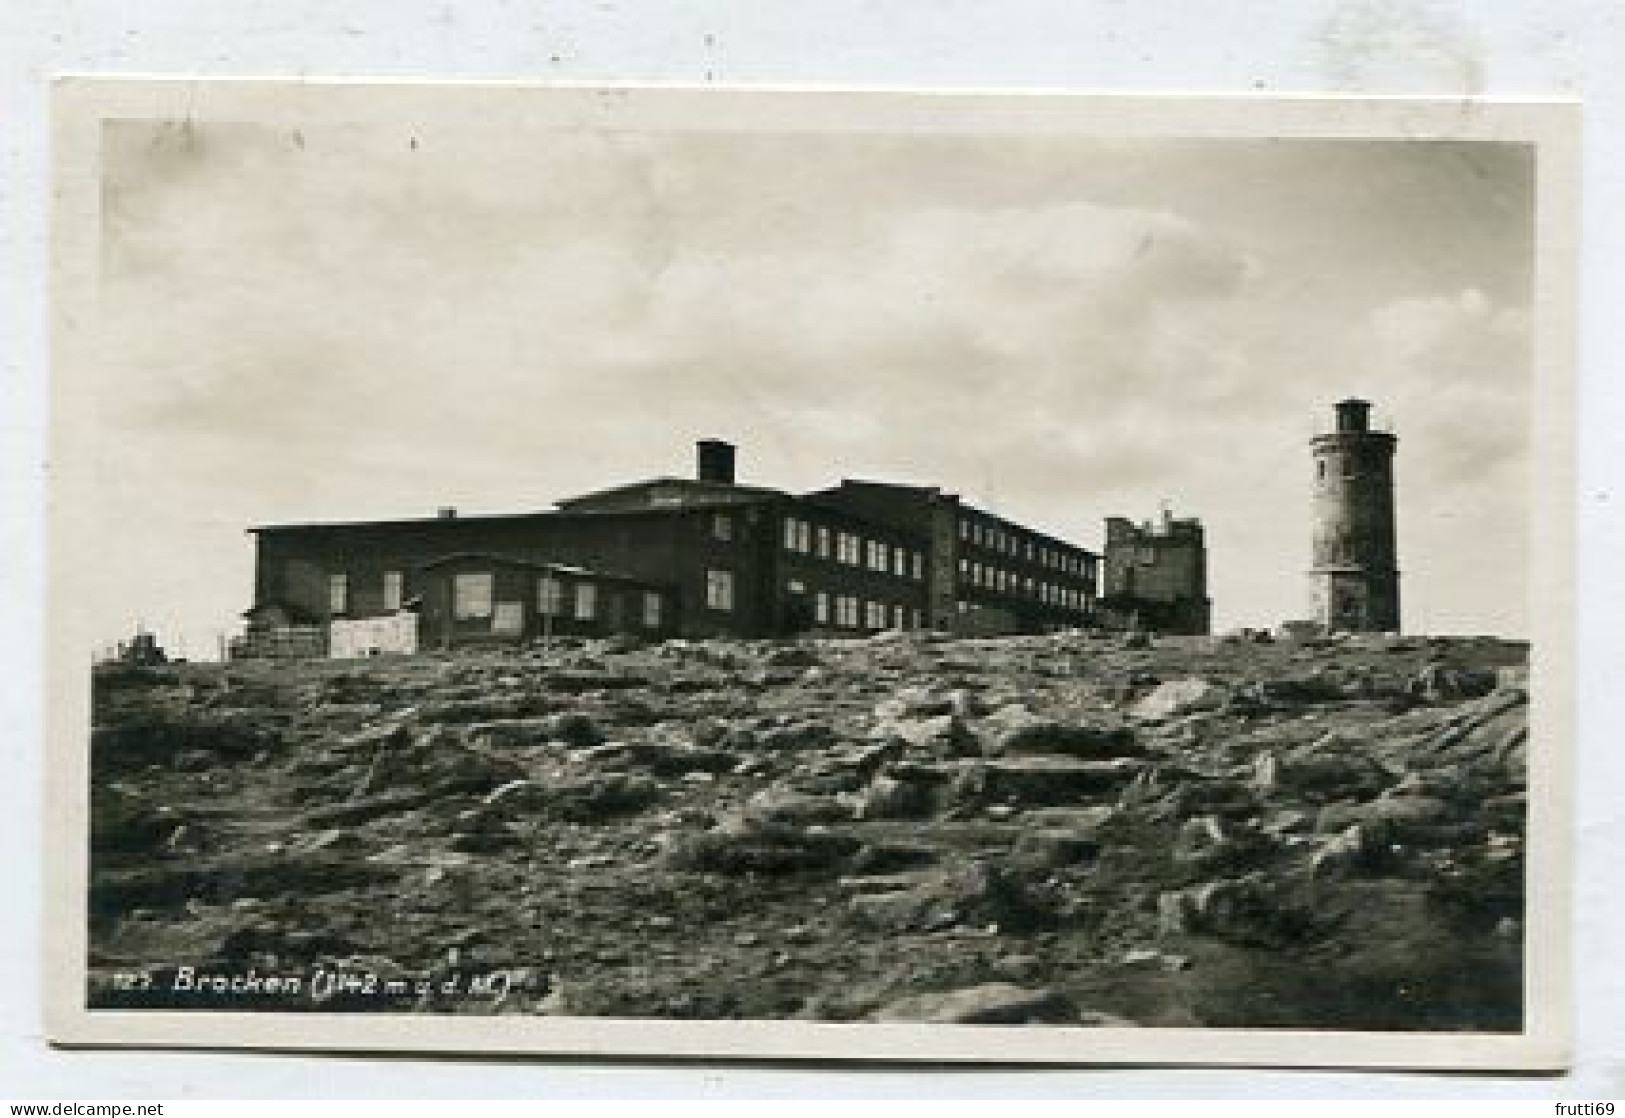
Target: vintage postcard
[(812, 574)]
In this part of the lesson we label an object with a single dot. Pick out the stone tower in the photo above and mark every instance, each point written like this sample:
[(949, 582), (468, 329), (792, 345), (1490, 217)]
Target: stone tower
[(1156, 574), (1355, 579)]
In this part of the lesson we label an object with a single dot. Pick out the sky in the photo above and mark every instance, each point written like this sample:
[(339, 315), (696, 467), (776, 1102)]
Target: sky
[(362, 320)]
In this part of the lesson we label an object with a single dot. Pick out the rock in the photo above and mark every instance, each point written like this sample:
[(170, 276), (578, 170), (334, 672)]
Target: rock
[(1097, 1019), (1149, 958), (913, 702), (596, 799), (886, 857), (1206, 844), (1037, 737), (992, 1003), (888, 797), (779, 805), (1178, 697), (765, 848), (1334, 766), (976, 893), (1292, 690), (1055, 847), (1442, 683), (1389, 818), (661, 757), (122, 823), (1355, 848), (1247, 911), (573, 728), (364, 810), (1042, 780), (224, 878), (944, 735), (801, 735), (1508, 811), (1514, 677), (792, 656)]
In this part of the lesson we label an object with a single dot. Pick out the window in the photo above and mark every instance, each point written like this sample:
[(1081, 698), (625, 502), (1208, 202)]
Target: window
[(899, 562), (796, 586), (964, 568), (877, 556), (823, 543), (797, 535), (874, 615), (848, 548), (898, 617), (719, 590), (964, 530), (586, 601), (651, 610), (914, 619), (722, 526), (471, 596), (1029, 551), (846, 611), (392, 590), (338, 593), (509, 617), (549, 596), (1320, 469), (821, 608)]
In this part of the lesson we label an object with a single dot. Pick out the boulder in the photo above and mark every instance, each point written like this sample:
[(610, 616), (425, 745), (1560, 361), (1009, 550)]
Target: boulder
[(992, 1003), (1401, 818), (974, 893), (781, 805), (1248, 911), (913, 702), (1178, 697), (771, 849), (1055, 847), (943, 735), (1042, 780), (888, 797), (1334, 766), (1038, 737), (1444, 683)]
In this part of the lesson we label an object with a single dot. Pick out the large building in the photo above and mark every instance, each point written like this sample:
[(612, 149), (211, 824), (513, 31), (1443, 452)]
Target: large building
[(694, 557), (1355, 578)]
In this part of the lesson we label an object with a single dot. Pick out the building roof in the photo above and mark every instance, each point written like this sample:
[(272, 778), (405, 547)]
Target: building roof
[(694, 492), (476, 518)]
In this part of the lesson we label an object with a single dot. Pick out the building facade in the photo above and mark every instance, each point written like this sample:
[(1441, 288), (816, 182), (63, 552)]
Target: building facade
[(1355, 577), (678, 557), (1156, 575)]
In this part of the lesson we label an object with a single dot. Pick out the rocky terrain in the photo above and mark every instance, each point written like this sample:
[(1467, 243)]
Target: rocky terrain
[(1074, 829)]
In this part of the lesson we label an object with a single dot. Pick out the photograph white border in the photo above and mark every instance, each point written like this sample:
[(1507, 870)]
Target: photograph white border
[(81, 104)]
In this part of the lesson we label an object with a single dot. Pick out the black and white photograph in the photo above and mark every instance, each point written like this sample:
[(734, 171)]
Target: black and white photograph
[(811, 574)]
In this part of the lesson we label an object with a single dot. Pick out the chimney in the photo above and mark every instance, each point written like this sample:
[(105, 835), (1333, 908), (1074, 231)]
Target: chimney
[(1353, 417), (446, 512), (715, 460)]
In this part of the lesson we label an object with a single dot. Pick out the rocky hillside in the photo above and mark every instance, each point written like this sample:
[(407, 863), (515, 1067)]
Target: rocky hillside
[(1066, 829)]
